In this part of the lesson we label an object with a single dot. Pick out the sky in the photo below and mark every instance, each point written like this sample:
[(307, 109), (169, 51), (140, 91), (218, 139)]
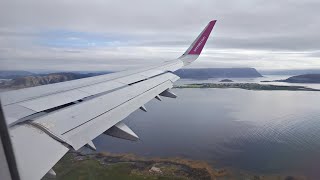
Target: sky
[(103, 35)]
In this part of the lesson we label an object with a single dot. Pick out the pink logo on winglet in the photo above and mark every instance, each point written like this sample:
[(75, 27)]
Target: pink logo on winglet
[(198, 46)]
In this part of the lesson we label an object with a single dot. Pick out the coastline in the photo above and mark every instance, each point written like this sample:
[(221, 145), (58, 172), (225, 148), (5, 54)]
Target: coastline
[(75, 165), (247, 86)]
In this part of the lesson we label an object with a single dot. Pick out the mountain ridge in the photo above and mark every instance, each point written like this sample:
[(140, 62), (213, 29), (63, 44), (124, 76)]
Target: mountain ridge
[(43, 79), (207, 73), (26, 79), (304, 78)]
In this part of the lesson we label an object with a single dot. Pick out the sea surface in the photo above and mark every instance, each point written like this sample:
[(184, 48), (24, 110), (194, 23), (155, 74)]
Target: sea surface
[(265, 132)]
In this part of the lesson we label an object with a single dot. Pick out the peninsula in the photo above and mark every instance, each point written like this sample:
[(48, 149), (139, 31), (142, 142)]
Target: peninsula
[(247, 86), (304, 78)]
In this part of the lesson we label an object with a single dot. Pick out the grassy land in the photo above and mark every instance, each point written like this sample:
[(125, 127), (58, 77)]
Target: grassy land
[(102, 166), (90, 168), (247, 86)]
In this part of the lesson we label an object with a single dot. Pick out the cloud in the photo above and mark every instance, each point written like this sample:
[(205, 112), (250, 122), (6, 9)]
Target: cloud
[(116, 35)]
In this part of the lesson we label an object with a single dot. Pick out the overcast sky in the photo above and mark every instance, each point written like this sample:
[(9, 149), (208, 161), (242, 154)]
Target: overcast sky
[(116, 35)]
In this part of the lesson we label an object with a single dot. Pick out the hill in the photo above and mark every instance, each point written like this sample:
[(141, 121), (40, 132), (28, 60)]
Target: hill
[(24, 79), (42, 79), (206, 73), (305, 78), (290, 72), (14, 74)]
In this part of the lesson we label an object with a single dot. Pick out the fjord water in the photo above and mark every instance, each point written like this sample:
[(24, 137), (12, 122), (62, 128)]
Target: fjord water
[(257, 131)]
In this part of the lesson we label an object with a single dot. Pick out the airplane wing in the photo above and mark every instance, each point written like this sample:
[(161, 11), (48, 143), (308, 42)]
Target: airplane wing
[(45, 122)]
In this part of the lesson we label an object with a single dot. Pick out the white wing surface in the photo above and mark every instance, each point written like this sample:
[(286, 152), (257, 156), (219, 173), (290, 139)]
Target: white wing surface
[(45, 122)]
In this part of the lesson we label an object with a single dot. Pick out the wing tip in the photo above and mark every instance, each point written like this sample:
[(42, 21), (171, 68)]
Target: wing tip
[(198, 44), (213, 21)]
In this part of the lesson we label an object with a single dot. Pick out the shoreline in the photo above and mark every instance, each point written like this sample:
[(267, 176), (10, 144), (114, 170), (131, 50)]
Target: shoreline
[(75, 165), (246, 86)]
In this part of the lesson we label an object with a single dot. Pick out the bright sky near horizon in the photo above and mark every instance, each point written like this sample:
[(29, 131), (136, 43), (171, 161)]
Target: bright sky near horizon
[(99, 35)]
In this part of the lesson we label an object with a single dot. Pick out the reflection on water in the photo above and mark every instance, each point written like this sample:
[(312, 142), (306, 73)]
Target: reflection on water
[(259, 131)]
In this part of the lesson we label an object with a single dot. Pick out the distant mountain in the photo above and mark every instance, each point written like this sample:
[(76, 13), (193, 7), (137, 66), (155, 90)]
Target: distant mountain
[(226, 80), (37, 80), (290, 72), (206, 73), (305, 78), (23, 79), (14, 74)]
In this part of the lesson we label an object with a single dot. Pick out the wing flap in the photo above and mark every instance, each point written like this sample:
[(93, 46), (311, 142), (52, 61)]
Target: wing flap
[(90, 130), (48, 102), (36, 152), (45, 97), (58, 99), (101, 87), (151, 73), (15, 112), (12, 97), (62, 121), (131, 79)]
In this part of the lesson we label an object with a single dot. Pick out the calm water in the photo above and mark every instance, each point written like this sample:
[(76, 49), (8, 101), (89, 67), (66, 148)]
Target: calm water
[(258, 131)]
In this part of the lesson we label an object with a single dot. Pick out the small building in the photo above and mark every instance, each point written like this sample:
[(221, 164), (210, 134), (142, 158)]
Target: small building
[(155, 170)]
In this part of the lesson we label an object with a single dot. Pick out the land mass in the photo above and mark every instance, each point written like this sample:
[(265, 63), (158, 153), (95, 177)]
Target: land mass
[(74, 166), (42, 79), (14, 74), (226, 80), (20, 81), (207, 73), (247, 86), (290, 72), (305, 78)]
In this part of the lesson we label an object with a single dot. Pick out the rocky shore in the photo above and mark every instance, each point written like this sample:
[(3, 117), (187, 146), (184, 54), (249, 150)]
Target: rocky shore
[(75, 165)]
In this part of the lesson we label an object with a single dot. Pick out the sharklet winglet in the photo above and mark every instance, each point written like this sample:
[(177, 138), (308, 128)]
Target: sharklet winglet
[(195, 49)]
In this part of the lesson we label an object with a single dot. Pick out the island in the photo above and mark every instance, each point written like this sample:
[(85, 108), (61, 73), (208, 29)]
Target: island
[(75, 165), (226, 80), (246, 86)]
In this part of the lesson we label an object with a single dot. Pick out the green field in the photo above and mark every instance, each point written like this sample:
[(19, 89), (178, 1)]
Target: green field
[(76, 166), (91, 169)]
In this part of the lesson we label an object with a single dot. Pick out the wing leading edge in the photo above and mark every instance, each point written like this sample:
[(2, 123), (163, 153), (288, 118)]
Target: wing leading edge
[(52, 119)]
